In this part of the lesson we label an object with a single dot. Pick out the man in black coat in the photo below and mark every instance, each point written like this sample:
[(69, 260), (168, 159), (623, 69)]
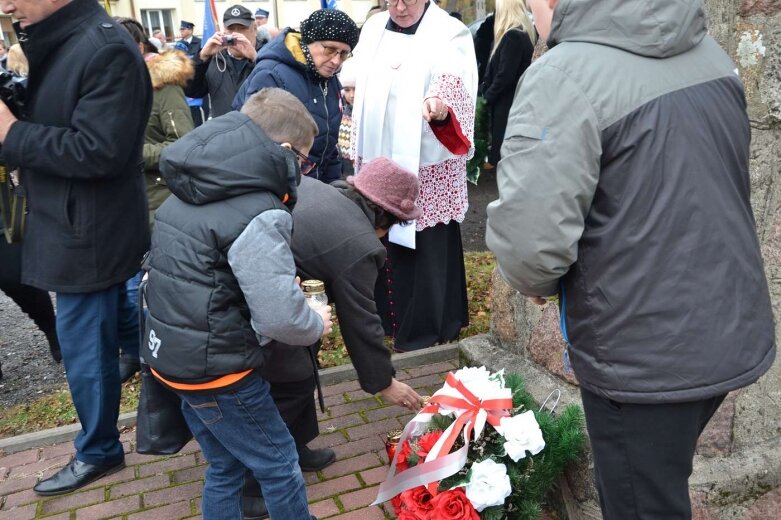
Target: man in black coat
[(226, 60), (78, 147)]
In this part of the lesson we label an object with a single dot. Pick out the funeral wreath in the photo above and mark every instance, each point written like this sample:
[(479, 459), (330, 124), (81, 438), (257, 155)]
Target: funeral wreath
[(480, 449)]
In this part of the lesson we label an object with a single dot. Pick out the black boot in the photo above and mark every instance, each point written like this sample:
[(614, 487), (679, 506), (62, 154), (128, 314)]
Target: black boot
[(254, 508), (314, 460)]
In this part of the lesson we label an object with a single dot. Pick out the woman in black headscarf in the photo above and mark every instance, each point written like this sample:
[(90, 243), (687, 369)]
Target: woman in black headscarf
[(305, 64)]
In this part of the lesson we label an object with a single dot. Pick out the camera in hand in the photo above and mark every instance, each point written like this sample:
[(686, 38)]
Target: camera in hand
[(13, 203), (13, 92), (229, 40)]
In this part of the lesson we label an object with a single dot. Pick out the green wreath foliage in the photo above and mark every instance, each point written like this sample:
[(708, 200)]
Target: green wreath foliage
[(533, 476), (482, 138)]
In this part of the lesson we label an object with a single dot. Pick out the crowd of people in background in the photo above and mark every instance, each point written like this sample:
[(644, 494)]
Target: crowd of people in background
[(228, 169)]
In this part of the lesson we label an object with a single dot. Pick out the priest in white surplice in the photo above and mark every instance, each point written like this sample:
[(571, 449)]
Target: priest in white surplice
[(415, 103)]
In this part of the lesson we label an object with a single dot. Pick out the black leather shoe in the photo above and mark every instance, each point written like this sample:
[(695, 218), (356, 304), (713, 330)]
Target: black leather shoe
[(74, 475), (254, 508), (128, 368), (314, 460)]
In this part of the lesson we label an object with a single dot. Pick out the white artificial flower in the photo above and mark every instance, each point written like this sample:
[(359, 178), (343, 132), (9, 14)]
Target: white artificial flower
[(483, 385), (489, 484), (480, 381), (521, 433)]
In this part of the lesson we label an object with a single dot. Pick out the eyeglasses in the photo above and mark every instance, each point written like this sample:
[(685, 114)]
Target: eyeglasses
[(305, 163), (330, 52), (394, 3)]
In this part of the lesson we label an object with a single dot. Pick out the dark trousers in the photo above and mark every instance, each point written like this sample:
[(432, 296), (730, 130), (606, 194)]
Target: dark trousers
[(36, 303), (91, 326), (296, 404), (643, 455)]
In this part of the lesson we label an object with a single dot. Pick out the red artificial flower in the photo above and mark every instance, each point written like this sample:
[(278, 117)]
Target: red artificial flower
[(426, 442), (396, 503), (408, 515), (417, 500), (401, 461), (453, 505)]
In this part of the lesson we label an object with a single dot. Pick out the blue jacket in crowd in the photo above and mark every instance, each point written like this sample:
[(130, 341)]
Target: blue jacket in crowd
[(281, 63)]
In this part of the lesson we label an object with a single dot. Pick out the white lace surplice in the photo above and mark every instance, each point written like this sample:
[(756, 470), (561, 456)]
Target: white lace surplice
[(397, 72)]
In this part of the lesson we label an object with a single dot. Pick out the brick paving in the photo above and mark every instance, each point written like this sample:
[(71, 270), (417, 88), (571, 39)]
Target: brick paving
[(169, 488)]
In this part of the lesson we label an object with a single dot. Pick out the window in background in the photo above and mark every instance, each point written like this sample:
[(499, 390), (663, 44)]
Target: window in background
[(154, 19)]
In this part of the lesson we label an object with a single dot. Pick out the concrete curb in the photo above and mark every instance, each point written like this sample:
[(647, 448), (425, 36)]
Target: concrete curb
[(328, 376)]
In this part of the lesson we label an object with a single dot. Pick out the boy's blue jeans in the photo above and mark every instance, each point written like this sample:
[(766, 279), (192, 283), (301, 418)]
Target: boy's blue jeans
[(239, 428)]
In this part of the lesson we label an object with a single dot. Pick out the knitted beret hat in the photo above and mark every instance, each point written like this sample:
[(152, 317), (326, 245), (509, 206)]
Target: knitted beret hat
[(390, 186), (330, 25)]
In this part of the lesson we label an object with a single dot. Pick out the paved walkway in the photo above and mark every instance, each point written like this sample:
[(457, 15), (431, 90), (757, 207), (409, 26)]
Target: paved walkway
[(167, 488)]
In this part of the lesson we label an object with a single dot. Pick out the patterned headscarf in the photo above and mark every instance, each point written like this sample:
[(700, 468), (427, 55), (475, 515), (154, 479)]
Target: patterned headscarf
[(331, 25), (310, 63)]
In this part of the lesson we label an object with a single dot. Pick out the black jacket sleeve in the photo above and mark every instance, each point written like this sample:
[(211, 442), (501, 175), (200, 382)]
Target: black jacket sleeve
[(508, 63), (198, 87), (94, 143), (353, 296)]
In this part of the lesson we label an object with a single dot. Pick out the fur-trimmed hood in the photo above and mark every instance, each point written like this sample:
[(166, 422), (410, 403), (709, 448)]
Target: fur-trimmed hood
[(170, 67)]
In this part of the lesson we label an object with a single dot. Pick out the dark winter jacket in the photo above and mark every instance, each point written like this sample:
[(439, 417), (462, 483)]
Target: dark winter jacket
[(219, 77), (628, 192), (484, 42), (79, 150), (281, 63), (334, 241), (512, 57), (222, 278)]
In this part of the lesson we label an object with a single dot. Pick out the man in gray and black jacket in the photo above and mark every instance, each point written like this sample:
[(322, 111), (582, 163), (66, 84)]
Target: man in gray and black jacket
[(222, 285), (624, 189)]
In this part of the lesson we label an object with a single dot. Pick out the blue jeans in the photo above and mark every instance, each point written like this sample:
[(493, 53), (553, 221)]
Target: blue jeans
[(90, 327), (130, 350), (241, 428)]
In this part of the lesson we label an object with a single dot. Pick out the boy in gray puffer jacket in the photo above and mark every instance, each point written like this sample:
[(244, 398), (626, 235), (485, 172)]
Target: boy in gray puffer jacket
[(222, 283)]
